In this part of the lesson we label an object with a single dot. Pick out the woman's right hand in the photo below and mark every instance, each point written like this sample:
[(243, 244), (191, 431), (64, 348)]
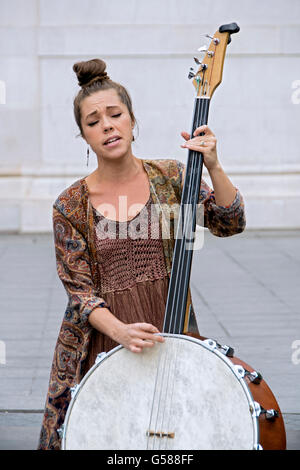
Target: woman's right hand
[(137, 336)]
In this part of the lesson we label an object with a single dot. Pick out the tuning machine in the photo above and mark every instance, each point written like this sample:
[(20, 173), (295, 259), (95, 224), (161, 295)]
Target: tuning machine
[(191, 73), (203, 48), (198, 62), (197, 76), (216, 41)]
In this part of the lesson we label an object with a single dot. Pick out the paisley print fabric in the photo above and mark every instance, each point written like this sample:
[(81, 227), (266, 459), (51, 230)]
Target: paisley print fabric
[(76, 261)]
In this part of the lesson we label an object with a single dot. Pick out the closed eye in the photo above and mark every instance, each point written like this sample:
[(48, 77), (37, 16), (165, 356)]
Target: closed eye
[(91, 124)]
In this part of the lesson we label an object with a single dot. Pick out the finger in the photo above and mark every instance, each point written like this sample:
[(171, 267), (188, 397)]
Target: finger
[(159, 338), (147, 327), (203, 130), (201, 142), (140, 343), (147, 344), (148, 337), (193, 145), (197, 147), (144, 330), (135, 349), (186, 135), (202, 139), (154, 339)]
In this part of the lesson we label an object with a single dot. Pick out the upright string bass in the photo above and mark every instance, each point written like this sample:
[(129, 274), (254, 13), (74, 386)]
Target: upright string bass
[(189, 392)]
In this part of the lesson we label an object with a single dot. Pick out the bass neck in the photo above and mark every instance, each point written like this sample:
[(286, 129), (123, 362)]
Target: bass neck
[(176, 306)]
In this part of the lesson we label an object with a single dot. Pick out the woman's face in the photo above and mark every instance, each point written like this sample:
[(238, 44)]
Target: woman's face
[(106, 124)]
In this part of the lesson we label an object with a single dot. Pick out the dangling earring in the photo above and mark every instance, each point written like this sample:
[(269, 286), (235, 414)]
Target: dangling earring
[(87, 156)]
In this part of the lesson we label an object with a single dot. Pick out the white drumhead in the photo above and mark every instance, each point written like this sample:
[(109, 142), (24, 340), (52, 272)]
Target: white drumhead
[(187, 395)]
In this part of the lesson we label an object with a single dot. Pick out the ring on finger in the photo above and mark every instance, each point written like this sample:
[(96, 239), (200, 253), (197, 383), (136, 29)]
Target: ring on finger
[(202, 143)]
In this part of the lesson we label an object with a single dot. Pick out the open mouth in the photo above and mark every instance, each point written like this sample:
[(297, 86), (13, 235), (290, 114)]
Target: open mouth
[(112, 142)]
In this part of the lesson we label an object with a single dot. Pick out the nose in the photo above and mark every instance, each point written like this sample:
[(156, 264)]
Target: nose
[(107, 125)]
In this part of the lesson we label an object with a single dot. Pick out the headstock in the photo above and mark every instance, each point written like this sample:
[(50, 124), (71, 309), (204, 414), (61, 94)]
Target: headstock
[(209, 74)]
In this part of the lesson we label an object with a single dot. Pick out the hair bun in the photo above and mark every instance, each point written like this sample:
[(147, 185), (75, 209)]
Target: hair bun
[(90, 71)]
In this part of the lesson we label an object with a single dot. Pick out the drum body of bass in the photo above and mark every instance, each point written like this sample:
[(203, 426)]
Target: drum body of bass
[(180, 394)]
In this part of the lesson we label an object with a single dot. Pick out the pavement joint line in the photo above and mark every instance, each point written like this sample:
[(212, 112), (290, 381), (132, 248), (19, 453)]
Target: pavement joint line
[(259, 281), (286, 254), (195, 287)]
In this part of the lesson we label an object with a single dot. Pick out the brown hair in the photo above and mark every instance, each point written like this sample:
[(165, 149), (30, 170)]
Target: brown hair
[(92, 77)]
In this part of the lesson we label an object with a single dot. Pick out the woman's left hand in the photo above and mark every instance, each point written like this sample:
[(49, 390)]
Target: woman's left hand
[(206, 144)]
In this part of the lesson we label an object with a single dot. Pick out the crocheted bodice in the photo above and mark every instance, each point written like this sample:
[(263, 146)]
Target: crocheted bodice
[(129, 252)]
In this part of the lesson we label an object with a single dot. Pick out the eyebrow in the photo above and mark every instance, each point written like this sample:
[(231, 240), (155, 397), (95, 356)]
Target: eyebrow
[(96, 112)]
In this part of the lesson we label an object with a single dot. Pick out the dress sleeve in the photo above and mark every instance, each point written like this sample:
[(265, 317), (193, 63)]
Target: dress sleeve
[(222, 221), (74, 270)]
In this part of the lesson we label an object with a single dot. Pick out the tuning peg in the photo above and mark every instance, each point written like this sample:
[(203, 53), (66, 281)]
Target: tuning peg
[(202, 66), (203, 48), (191, 73), (215, 40)]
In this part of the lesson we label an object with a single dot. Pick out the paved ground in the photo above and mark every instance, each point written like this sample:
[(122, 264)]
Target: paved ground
[(246, 293)]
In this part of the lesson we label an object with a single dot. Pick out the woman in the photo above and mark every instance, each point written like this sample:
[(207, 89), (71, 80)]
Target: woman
[(117, 285)]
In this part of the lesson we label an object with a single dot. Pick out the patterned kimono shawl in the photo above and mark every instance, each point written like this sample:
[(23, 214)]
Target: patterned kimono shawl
[(77, 269)]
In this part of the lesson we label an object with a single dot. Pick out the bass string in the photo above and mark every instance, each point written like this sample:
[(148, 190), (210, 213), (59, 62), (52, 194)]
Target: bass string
[(172, 352), (154, 394), (201, 112), (168, 428), (170, 359), (163, 375), (160, 428), (195, 183), (158, 370), (160, 352), (179, 239), (164, 222), (188, 231), (185, 280)]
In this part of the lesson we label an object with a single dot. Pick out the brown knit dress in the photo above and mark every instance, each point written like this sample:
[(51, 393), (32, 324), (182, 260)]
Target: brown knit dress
[(132, 271)]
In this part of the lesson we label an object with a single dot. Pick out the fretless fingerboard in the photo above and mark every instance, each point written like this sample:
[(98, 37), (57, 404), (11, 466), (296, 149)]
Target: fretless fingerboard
[(185, 237)]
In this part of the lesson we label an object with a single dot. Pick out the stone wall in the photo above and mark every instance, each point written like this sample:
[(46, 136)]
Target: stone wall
[(149, 47)]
